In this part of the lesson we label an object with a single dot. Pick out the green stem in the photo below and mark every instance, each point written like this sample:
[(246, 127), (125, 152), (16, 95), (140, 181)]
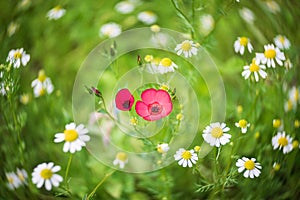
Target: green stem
[(99, 184), (105, 108), (67, 171)]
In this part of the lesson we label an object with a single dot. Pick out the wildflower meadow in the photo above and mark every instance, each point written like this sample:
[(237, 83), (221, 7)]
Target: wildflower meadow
[(150, 99)]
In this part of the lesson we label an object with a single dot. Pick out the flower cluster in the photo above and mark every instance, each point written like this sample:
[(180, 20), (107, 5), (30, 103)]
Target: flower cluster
[(42, 85), (16, 179), (158, 65)]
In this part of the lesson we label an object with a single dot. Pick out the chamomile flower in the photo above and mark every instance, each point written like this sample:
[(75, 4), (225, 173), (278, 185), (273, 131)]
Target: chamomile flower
[(282, 42), (74, 136), (147, 17), (162, 148), (241, 43), (121, 159), (289, 105), (269, 56), (294, 95), (207, 24), (277, 124), (256, 68), (243, 124), (166, 65), (42, 85), (45, 173), (252, 168), (110, 30), (13, 180), (124, 7), (187, 47), (56, 13), (282, 141), (22, 175), (18, 57), (215, 134), (247, 15), (186, 157)]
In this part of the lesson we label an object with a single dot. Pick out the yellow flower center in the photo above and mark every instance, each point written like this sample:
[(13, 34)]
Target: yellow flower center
[(148, 58), (186, 46), (122, 156), (10, 179), (46, 173), (217, 132), (197, 148), (21, 176), (155, 28), (270, 53), (159, 149), (179, 116), (276, 167), (297, 123), (186, 155), (166, 62), (295, 144), (243, 123), (42, 76), (257, 135), (42, 91), (281, 39), (17, 55), (249, 164), (276, 123), (296, 95), (282, 141), (243, 41), (289, 105), (57, 8), (70, 135), (254, 67)]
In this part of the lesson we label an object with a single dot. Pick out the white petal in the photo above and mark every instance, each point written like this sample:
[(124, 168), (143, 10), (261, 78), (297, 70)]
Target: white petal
[(48, 185)]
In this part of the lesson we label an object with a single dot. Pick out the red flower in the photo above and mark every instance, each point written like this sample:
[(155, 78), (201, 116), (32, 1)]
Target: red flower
[(155, 104), (124, 100)]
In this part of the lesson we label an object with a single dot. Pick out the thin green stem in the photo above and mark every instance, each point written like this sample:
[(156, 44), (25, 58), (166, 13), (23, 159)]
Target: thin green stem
[(99, 184), (67, 171)]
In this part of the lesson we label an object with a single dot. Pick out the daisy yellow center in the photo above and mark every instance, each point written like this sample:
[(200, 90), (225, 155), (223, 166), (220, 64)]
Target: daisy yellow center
[(166, 62), (249, 164), (197, 148), (10, 179), (42, 91), (296, 95), (243, 123), (281, 39), (186, 155), (254, 67), (159, 149), (270, 53), (42, 77), (276, 167), (295, 144), (57, 8), (282, 141), (276, 123), (217, 132), (186, 46), (122, 156), (243, 41), (70, 135), (17, 55), (148, 58), (46, 173), (21, 177)]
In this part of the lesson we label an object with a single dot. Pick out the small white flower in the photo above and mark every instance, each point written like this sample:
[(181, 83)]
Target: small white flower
[(282, 42), (121, 159), (22, 175), (186, 157), (42, 85), (247, 15), (163, 148), (271, 53), (56, 13), (13, 180), (215, 134), (110, 30), (241, 43), (282, 141), (2, 89), (124, 7), (187, 47), (147, 17), (74, 137), (252, 167), (166, 65), (16, 57), (45, 174), (243, 124), (294, 96), (207, 24), (256, 69)]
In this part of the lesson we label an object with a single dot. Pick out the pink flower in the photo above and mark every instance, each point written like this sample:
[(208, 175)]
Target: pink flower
[(124, 100), (155, 104)]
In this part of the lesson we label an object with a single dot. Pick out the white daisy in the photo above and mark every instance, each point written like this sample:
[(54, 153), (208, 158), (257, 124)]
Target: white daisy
[(124, 7), (162, 148), (22, 175), (294, 95), (56, 13), (42, 85), (74, 137), (215, 134), (187, 47), (147, 17), (110, 30), (18, 57), (241, 43), (271, 53), (13, 180), (121, 159), (282, 141), (247, 15), (243, 124), (256, 69), (252, 167), (45, 174), (166, 65), (282, 42), (186, 157)]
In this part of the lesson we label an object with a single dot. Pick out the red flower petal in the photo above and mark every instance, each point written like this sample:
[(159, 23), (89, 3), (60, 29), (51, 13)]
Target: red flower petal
[(163, 97), (124, 100), (149, 96), (141, 109)]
